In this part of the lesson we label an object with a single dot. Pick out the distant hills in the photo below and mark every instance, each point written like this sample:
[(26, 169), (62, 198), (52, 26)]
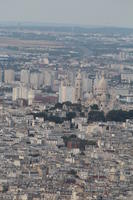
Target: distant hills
[(66, 27)]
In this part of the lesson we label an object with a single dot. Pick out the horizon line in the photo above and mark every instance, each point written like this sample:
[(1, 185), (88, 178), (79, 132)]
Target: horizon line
[(60, 24)]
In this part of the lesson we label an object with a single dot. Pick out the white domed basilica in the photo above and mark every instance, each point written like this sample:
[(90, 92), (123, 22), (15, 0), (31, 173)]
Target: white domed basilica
[(100, 94)]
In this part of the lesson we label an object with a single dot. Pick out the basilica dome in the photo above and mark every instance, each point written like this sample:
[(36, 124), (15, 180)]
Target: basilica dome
[(102, 86)]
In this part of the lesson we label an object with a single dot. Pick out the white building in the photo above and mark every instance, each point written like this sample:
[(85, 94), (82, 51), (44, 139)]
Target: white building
[(25, 76), (66, 93), (30, 97), (21, 92), (47, 78), (86, 84), (36, 80), (45, 61), (9, 76), (127, 77), (125, 98)]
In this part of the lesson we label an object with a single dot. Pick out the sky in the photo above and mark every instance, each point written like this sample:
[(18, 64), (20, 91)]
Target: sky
[(83, 12)]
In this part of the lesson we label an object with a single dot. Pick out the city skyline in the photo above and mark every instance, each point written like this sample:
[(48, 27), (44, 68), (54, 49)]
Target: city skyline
[(66, 100)]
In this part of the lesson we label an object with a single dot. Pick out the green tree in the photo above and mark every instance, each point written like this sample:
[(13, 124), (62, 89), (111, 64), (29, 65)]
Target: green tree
[(96, 116), (70, 115), (94, 107), (117, 115)]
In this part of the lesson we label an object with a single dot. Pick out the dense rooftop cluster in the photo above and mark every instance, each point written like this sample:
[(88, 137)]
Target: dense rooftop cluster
[(66, 113)]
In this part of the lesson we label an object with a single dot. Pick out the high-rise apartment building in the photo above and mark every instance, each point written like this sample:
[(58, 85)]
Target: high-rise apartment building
[(36, 80), (9, 76), (21, 92), (47, 78), (66, 93), (25, 76)]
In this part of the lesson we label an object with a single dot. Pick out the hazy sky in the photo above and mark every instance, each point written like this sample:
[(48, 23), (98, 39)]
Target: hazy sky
[(86, 12)]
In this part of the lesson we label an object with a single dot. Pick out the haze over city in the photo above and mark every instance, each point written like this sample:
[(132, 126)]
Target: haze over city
[(85, 12)]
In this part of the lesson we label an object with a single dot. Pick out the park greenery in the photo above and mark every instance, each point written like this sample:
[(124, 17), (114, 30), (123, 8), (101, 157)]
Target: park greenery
[(112, 115), (76, 110)]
